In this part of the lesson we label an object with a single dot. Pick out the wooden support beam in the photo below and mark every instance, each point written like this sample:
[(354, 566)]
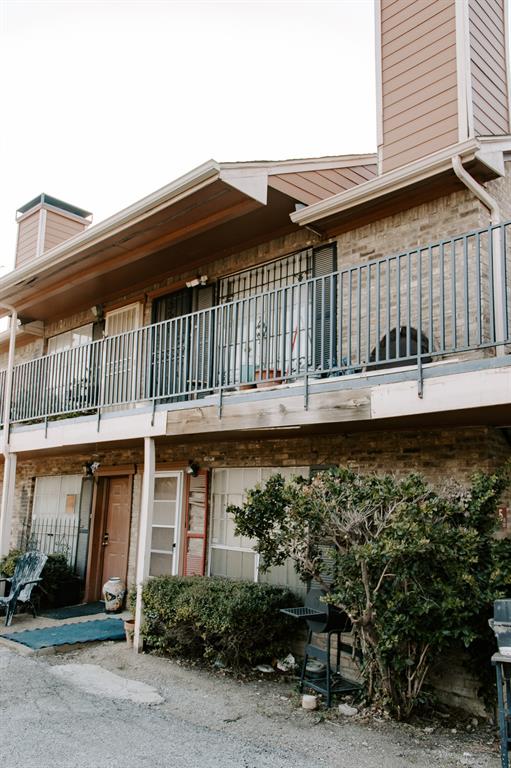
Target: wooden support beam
[(324, 408)]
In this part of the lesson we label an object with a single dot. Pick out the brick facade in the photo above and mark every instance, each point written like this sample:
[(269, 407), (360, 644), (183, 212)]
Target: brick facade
[(439, 454)]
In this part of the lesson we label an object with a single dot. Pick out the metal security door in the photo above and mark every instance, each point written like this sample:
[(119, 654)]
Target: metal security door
[(121, 365)]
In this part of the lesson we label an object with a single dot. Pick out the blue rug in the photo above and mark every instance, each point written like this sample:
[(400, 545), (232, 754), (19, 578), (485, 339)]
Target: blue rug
[(70, 611), (67, 634)]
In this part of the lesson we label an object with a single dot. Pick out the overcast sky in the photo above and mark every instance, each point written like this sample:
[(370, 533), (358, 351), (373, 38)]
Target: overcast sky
[(104, 102)]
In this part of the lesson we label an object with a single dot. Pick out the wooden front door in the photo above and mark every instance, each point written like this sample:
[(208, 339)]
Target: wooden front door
[(116, 531)]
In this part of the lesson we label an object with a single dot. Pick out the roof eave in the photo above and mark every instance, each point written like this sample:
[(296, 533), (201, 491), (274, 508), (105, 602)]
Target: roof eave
[(65, 252), (386, 183)]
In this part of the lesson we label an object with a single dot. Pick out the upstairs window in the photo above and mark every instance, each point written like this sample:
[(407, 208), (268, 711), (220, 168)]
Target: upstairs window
[(74, 338)]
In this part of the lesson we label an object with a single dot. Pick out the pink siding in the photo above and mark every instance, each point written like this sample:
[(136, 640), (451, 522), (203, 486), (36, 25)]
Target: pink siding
[(488, 67), (419, 85), (27, 238), (310, 186), (59, 228)]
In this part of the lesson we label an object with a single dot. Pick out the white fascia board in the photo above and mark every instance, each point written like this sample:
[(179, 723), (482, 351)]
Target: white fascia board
[(132, 424), (388, 182), (493, 152), (474, 389), (312, 164), (202, 175), (250, 181)]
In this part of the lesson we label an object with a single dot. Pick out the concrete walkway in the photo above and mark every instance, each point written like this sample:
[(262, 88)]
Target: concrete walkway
[(106, 707)]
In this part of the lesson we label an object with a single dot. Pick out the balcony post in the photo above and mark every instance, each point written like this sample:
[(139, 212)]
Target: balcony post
[(9, 459), (9, 483), (144, 533)]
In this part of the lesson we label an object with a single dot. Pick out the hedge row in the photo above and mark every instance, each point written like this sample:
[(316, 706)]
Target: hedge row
[(236, 622)]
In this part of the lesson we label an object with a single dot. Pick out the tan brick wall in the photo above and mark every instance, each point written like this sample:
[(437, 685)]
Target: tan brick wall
[(444, 217), (438, 454), (425, 224), (62, 325), (69, 464), (24, 352), (500, 189)]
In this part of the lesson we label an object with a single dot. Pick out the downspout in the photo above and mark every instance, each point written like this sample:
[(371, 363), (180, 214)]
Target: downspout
[(6, 488), (497, 267)]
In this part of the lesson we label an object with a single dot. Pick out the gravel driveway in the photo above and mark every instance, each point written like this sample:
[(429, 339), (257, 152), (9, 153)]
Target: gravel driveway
[(62, 711)]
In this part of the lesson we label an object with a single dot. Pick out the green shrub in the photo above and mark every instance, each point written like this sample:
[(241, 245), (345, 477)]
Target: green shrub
[(416, 569), (8, 563), (56, 572), (236, 622)]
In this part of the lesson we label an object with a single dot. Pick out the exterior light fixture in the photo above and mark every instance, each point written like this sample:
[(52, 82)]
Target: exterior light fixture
[(192, 468), (97, 311), (90, 468), (199, 280)]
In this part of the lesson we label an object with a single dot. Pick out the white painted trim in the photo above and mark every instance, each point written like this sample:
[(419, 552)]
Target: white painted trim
[(41, 233), (30, 212), (253, 184), (464, 84), (379, 85), (8, 493), (507, 42), (176, 555), (388, 182), (131, 424), (273, 167), (477, 389), (54, 209), (495, 143), (246, 550), (144, 533)]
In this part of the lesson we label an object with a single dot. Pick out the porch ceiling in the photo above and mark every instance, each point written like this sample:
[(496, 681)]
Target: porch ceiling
[(215, 220)]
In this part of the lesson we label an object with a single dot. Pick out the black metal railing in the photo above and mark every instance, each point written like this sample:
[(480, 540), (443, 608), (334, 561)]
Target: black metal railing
[(447, 297)]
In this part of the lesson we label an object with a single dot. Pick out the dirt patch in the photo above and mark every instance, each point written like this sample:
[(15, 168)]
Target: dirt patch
[(268, 712)]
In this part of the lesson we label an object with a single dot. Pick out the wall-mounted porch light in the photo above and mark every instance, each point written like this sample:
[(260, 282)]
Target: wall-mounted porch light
[(98, 312), (90, 468), (192, 468), (199, 280)]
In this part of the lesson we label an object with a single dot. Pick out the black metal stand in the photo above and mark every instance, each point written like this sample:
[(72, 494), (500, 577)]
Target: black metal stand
[(332, 682), (502, 666)]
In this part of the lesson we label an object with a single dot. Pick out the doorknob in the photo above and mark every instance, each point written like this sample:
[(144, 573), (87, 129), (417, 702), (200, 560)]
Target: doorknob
[(104, 543)]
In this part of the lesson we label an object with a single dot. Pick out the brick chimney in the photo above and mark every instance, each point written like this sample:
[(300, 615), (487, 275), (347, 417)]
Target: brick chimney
[(442, 75), (45, 222)]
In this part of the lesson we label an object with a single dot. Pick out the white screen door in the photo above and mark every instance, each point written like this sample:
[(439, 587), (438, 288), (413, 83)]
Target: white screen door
[(166, 524)]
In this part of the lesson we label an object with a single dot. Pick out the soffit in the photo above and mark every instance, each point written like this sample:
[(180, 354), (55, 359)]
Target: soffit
[(220, 222)]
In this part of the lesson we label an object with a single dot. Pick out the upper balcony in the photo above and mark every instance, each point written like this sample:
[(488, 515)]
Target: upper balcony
[(392, 319)]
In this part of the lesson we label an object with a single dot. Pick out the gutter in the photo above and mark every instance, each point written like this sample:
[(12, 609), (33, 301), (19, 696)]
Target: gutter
[(200, 176), (478, 190), (9, 464), (497, 260), (388, 182)]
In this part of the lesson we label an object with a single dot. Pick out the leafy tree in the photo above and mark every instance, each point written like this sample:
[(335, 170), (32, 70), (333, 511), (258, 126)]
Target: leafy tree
[(412, 567)]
